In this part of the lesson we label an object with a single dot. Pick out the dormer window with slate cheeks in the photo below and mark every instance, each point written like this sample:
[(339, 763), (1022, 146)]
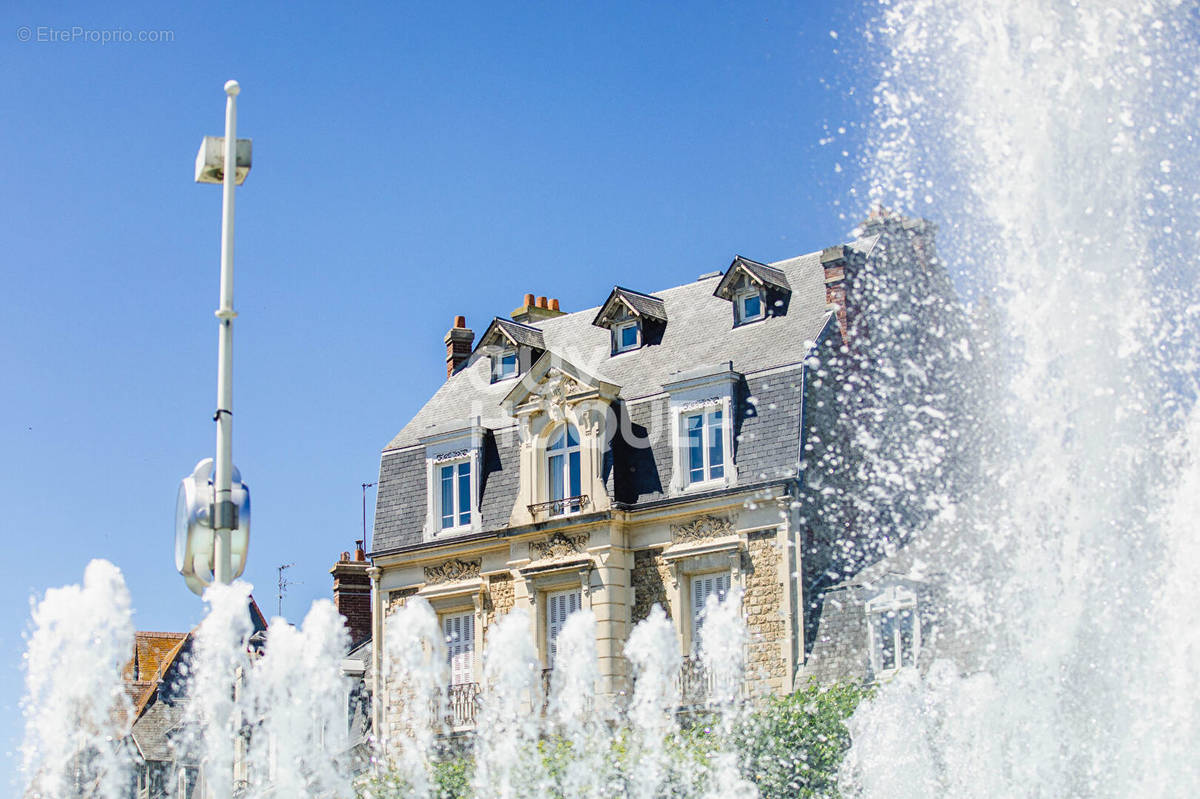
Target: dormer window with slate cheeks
[(453, 461), (632, 318), (757, 291), (701, 412), (512, 347)]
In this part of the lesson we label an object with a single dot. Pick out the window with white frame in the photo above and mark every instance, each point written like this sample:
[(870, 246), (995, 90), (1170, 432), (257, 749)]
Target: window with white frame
[(703, 587), (894, 630), (704, 444), (559, 607), (459, 631), (454, 494), (627, 336), (505, 364), (563, 471), (748, 305)]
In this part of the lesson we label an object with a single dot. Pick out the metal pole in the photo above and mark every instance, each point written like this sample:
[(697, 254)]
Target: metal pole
[(365, 486), (223, 508)]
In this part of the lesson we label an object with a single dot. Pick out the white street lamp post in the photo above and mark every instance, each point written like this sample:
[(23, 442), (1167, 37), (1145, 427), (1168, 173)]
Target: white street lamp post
[(212, 527), (224, 511)]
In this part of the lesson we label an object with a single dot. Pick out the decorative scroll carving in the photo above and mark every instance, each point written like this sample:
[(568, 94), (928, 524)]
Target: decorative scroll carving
[(452, 571), (700, 529), (560, 546)]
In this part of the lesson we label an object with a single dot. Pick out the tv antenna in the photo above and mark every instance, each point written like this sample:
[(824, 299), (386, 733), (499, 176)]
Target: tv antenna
[(365, 486), (284, 582)]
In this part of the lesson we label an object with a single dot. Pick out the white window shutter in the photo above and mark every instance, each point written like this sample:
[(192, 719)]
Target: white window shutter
[(559, 607), (460, 647)]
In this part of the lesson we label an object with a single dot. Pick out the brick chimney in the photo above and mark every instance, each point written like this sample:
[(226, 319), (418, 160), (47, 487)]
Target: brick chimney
[(534, 311), (458, 345), (352, 593), (835, 262)]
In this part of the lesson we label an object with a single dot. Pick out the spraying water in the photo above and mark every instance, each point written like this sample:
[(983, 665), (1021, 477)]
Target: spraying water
[(1056, 139), (75, 706)]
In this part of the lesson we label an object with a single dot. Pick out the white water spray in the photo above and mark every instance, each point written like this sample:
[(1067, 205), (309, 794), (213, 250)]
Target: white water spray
[(75, 706), (1054, 140)]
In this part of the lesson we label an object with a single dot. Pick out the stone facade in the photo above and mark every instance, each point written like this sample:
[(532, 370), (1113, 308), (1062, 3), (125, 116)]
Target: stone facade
[(766, 616), (499, 598), (650, 578)]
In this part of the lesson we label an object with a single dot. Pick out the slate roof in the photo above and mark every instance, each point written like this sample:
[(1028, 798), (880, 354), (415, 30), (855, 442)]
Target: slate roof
[(646, 305), (771, 275), (516, 332), (700, 331)]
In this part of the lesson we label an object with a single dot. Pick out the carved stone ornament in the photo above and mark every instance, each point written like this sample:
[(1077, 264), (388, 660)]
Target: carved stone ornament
[(553, 391), (559, 546), (452, 571), (700, 529)]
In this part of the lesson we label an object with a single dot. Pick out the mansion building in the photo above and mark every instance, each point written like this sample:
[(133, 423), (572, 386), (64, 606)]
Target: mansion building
[(654, 450)]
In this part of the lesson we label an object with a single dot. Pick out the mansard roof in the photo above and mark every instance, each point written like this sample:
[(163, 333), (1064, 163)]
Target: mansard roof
[(646, 306), (503, 330), (700, 331), (761, 274)]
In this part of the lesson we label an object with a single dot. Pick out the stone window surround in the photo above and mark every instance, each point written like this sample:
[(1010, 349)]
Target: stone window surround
[(692, 559), (541, 580), (443, 448), (553, 392), (711, 388), (460, 597), (892, 597)]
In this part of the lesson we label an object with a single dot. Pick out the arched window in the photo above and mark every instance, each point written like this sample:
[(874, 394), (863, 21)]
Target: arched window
[(562, 469)]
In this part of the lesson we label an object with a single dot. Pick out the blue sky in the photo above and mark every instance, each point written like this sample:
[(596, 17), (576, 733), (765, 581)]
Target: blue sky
[(410, 163)]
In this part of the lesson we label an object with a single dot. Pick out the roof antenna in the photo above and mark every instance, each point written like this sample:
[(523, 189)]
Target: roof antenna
[(365, 486), (283, 584)]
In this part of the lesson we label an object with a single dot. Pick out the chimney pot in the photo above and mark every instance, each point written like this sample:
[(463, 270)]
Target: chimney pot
[(541, 302), (345, 556), (528, 300), (554, 304), (458, 345)]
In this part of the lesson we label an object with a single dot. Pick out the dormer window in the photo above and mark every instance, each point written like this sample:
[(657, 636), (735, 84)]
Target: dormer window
[(701, 403), (454, 505), (505, 364), (453, 462), (512, 346), (748, 305), (756, 290), (627, 336), (632, 318), (893, 631), (705, 436)]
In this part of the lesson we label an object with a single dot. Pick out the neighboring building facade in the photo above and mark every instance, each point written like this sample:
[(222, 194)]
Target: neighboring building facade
[(654, 450), (156, 682)]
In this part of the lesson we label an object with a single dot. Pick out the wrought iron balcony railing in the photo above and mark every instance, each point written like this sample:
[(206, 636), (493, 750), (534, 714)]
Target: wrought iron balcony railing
[(462, 704), (558, 507), (695, 682)]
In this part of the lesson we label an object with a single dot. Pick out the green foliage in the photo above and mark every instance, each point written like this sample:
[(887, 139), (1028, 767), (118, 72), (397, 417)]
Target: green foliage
[(452, 777), (790, 747), (794, 746)]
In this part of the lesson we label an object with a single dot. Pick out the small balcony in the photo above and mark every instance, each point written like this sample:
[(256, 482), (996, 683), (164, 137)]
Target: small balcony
[(462, 705), (696, 683), (558, 507)]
